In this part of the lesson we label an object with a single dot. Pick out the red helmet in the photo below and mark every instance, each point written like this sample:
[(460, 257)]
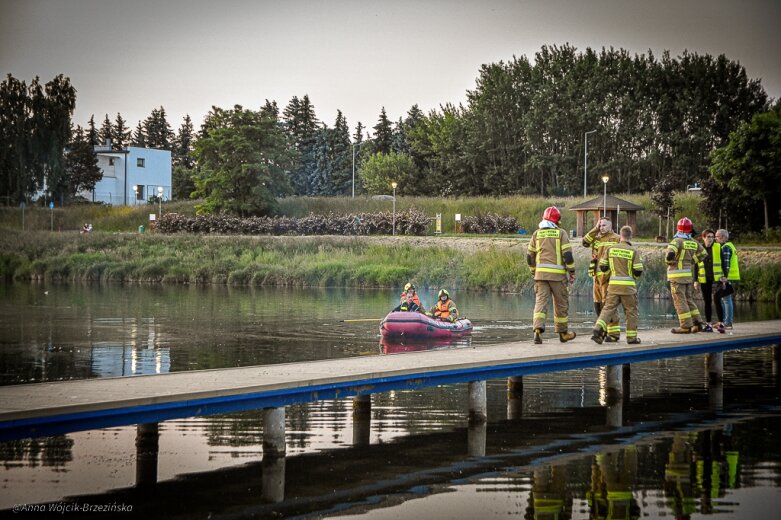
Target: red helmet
[(552, 213), (685, 225)]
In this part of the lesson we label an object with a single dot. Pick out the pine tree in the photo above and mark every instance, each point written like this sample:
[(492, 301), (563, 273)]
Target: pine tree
[(92, 133), (158, 132), (301, 126), (106, 132), (270, 109), (82, 168), (121, 137), (341, 156), (139, 136), (183, 145), (383, 134)]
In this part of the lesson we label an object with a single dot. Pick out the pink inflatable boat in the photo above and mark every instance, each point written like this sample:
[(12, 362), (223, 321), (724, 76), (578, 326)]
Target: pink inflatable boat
[(417, 325)]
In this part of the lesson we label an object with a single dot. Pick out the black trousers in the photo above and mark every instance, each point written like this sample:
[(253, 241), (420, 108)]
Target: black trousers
[(711, 299)]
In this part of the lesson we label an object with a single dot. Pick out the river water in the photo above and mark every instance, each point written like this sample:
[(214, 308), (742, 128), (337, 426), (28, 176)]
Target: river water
[(681, 448)]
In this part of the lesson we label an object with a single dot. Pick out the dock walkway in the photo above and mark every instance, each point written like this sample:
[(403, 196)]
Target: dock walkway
[(58, 407)]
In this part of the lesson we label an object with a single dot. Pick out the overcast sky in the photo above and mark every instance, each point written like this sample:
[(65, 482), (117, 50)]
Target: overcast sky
[(131, 56)]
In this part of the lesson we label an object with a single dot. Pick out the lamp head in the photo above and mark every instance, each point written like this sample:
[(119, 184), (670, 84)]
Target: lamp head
[(393, 185), (605, 178)]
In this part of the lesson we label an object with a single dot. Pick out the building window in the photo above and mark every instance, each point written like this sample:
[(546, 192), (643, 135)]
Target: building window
[(139, 189), (111, 161), (140, 162)]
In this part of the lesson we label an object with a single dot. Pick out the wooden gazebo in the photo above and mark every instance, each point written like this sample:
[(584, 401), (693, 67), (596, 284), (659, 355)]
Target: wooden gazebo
[(588, 212)]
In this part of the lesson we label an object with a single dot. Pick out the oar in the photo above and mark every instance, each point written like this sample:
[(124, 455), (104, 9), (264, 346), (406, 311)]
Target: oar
[(362, 319)]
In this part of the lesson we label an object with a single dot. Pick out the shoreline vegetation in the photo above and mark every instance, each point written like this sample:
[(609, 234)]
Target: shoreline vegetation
[(480, 263), (116, 253)]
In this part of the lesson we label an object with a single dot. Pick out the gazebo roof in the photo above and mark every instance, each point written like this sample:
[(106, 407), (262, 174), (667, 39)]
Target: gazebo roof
[(611, 202)]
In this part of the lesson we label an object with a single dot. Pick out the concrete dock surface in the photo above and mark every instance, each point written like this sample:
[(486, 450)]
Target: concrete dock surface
[(32, 402)]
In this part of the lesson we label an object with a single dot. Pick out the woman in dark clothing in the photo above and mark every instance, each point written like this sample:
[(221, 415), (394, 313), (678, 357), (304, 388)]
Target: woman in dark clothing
[(706, 279)]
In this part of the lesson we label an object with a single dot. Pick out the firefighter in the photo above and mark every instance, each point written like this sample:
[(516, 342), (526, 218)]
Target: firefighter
[(550, 259), (408, 303), (682, 253), (407, 289), (599, 239), (445, 309), (622, 265)]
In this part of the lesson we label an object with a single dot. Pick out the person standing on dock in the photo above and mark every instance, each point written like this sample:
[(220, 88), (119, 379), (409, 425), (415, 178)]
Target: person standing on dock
[(709, 276), (731, 274), (622, 264), (550, 259), (682, 253), (599, 239)]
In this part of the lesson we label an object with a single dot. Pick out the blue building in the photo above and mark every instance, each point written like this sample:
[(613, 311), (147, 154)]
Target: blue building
[(131, 176)]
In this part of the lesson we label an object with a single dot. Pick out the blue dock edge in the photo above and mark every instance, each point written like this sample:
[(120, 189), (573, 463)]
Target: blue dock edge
[(121, 416)]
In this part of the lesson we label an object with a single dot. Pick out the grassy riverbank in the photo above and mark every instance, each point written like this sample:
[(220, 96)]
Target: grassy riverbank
[(496, 264)]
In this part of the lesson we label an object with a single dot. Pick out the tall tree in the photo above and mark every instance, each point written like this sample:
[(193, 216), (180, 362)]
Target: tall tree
[(183, 144), (301, 126), (106, 132), (157, 130), (139, 136), (121, 138), (383, 134), (750, 163), (243, 160), (92, 131), (81, 165)]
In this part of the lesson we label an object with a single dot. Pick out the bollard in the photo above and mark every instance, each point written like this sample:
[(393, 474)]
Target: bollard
[(362, 406), (478, 403), (614, 380), (514, 397), (274, 432), (362, 414)]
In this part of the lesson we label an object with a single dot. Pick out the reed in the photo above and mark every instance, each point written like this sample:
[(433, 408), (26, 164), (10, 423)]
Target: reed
[(314, 262)]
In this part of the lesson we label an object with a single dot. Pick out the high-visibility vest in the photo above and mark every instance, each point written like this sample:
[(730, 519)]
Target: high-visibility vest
[(734, 270), (718, 272)]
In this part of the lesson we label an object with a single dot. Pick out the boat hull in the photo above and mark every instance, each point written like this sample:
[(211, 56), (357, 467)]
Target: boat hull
[(414, 325)]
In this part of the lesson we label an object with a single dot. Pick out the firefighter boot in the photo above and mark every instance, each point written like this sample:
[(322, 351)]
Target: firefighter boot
[(633, 341), (566, 336), (681, 330), (597, 336), (538, 336)]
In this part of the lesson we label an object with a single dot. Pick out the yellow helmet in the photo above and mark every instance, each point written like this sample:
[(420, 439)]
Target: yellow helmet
[(443, 291), (409, 286)]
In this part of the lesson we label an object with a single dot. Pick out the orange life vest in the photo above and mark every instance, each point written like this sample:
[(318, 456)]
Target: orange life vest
[(442, 309)]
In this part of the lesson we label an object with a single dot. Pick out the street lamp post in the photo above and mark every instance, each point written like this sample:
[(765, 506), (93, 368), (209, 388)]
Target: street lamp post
[(160, 200), (585, 161), (605, 178), (135, 197), (393, 185)]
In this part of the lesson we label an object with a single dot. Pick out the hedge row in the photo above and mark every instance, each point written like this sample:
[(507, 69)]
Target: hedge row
[(412, 222), (490, 223)]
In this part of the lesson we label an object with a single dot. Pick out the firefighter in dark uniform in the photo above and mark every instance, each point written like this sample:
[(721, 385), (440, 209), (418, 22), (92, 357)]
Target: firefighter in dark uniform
[(550, 259), (622, 265), (682, 254), (599, 239)]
